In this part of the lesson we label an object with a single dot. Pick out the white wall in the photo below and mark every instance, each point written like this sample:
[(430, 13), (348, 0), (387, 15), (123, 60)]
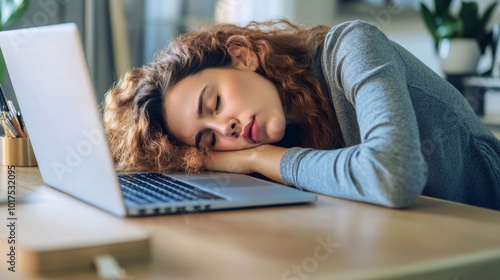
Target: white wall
[(243, 11)]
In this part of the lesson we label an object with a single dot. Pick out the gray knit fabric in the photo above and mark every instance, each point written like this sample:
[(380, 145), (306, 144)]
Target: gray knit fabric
[(407, 131)]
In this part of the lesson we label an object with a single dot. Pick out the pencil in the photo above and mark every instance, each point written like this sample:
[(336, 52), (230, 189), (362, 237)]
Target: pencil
[(6, 129), (17, 127), (14, 120), (9, 130), (13, 124)]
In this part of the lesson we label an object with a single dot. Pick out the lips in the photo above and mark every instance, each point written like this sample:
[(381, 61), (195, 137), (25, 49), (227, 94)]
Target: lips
[(250, 132)]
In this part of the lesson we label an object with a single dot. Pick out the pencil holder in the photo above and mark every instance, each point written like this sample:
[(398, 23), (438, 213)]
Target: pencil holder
[(16, 151)]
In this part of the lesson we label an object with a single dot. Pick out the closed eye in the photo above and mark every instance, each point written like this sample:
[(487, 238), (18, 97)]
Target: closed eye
[(216, 110), (212, 144), (217, 104)]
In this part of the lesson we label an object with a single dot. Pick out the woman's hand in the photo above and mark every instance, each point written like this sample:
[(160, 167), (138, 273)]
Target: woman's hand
[(264, 159), (233, 161)]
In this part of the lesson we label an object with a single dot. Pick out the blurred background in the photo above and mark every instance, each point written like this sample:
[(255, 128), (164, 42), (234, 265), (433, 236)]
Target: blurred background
[(120, 34)]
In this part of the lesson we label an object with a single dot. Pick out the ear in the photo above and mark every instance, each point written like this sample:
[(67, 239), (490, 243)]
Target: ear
[(243, 58)]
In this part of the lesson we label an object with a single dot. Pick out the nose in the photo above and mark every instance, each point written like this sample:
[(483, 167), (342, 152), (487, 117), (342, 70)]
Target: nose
[(227, 128)]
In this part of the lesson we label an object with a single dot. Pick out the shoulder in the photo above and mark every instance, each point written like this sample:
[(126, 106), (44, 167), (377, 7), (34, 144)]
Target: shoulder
[(356, 31), (355, 52), (355, 47)]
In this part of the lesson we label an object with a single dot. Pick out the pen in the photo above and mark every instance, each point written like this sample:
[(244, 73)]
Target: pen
[(12, 109), (14, 124), (7, 125), (21, 120), (3, 101), (6, 129), (14, 120), (8, 132)]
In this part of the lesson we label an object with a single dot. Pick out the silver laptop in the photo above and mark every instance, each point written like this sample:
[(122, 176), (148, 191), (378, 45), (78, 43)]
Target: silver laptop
[(55, 94)]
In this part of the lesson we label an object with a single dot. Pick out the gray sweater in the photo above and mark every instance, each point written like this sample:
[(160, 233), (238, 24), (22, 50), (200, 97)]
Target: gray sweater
[(406, 130)]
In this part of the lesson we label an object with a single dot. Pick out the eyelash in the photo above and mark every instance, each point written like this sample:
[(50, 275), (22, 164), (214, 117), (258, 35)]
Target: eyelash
[(217, 104), (213, 139)]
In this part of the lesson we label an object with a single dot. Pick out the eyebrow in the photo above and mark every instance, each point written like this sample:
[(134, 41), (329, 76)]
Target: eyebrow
[(200, 101), (200, 114)]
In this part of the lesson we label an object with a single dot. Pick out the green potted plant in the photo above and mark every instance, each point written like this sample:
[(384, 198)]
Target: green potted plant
[(10, 12), (454, 35)]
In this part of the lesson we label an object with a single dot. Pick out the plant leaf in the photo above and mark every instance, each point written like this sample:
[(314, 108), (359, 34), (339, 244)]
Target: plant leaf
[(483, 22), (484, 40), (428, 18), (17, 10), (449, 30), (469, 17), (442, 7)]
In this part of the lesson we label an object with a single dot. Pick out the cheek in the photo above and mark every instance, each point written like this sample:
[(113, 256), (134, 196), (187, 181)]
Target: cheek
[(180, 129), (180, 137)]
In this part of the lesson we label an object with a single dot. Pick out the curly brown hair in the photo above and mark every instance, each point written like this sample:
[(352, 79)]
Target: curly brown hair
[(133, 108)]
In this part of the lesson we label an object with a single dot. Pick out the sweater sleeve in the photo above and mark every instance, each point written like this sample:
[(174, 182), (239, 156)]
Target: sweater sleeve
[(387, 167)]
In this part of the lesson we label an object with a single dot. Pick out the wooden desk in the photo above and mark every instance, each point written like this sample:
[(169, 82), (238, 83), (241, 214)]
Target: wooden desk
[(432, 240)]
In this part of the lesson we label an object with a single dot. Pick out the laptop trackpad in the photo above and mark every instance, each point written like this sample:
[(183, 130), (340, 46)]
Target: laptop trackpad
[(229, 182)]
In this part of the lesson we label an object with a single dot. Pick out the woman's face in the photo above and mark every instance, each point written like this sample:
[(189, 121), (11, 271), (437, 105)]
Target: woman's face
[(225, 109)]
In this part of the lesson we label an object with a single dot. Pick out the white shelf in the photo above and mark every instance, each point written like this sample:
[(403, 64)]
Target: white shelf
[(485, 82), (492, 122)]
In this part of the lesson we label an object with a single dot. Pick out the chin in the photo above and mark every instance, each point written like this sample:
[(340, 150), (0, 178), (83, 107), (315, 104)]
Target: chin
[(275, 130), (279, 137)]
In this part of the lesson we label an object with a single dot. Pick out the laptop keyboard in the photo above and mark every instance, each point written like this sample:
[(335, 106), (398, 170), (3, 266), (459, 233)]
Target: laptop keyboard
[(146, 188)]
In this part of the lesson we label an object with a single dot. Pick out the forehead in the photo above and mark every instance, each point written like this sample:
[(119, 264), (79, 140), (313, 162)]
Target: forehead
[(181, 106)]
